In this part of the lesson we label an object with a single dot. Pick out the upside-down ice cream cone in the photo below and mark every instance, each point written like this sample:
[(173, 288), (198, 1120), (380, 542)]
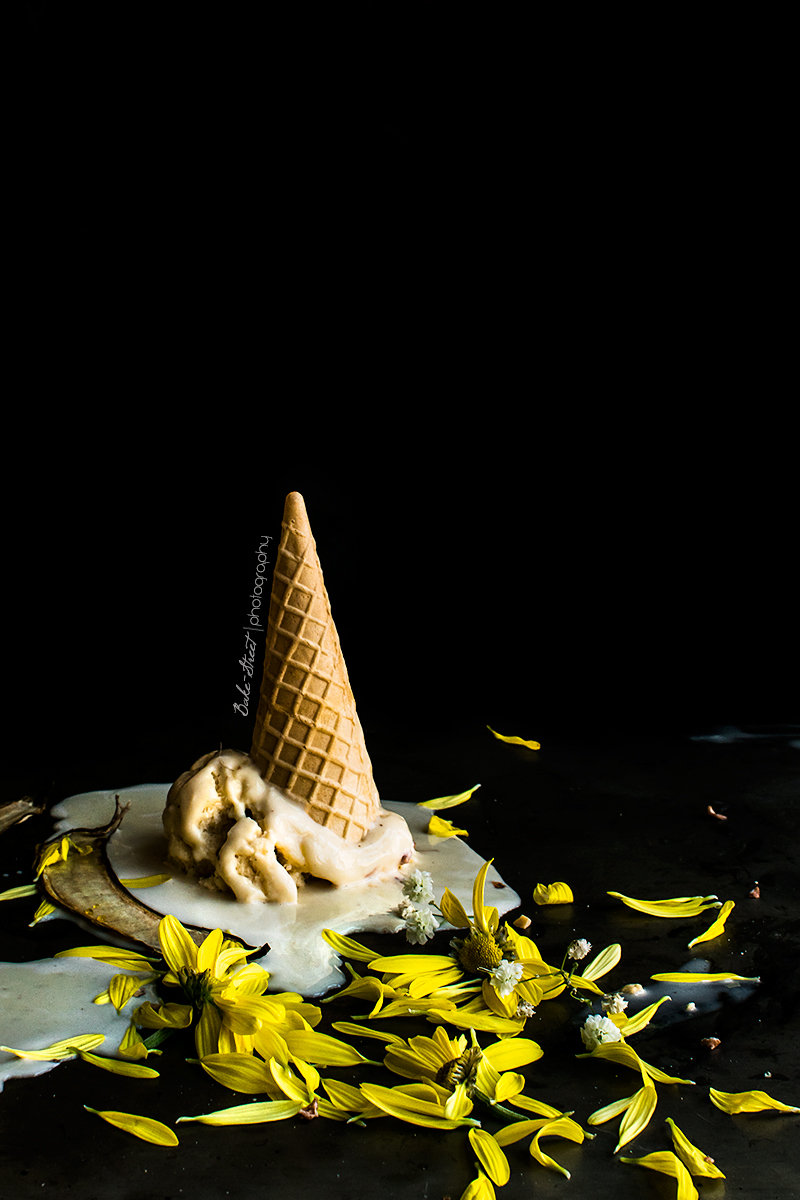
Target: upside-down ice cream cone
[(308, 739)]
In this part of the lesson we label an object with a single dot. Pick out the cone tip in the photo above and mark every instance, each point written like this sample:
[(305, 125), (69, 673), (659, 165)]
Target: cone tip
[(294, 511)]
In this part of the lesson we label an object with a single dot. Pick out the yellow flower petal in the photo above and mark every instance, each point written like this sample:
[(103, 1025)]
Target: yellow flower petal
[(142, 1127), (44, 910), (458, 1104), (692, 1158), (637, 1116), (490, 1156), (408, 1108), (605, 961), (509, 1085), (537, 1106), (691, 977), (480, 1189), (209, 950), (347, 947), (344, 1095), (132, 1044), (289, 1084), (476, 1020), (744, 1102), (15, 893), (513, 1052), (717, 926), (239, 1072), (480, 914), (681, 906), (453, 910), (668, 1164), (118, 1068), (362, 1031), (553, 893), (437, 827), (515, 741), (449, 801), (323, 1050), (165, 1016), (177, 947), (122, 987), (558, 1127), (642, 1018), (411, 964), (67, 1048), (128, 960), (250, 1114), (609, 1111), (146, 881), (207, 1031)]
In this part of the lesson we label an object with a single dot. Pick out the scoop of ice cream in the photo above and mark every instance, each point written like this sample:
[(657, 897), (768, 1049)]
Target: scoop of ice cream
[(228, 827)]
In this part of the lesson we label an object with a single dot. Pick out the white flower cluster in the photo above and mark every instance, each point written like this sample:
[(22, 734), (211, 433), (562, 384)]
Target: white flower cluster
[(597, 1030), (613, 1002), (505, 976), (418, 895), (579, 949)]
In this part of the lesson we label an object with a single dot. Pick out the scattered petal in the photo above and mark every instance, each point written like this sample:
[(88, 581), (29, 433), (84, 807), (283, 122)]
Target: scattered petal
[(680, 906), (700, 977), (695, 1160), (604, 962), (117, 1067), (745, 1102), (438, 827), (15, 893), (717, 926), (128, 960), (668, 1164), (522, 922), (480, 1189), (515, 741), (553, 893), (58, 1050), (142, 1127), (347, 947), (637, 1116), (490, 1156), (146, 881), (449, 801), (250, 1114)]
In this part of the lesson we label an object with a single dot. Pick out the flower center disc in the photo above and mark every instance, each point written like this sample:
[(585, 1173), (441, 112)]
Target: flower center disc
[(479, 952)]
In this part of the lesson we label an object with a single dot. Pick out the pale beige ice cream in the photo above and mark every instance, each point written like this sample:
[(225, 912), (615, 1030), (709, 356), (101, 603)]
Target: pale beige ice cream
[(229, 828)]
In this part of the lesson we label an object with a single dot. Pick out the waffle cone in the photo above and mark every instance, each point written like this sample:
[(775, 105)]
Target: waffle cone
[(308, 739)]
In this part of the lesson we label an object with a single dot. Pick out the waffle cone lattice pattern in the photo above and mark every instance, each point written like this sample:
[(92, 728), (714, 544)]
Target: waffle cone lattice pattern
[(308, 739)]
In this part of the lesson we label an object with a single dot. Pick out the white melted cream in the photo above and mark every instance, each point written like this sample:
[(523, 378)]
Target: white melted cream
[(299, 959), (53, 999), (272, 840)]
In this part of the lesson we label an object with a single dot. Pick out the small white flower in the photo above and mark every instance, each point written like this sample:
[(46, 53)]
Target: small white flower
[(579, 948), (419, 887), (613, 1002), (597, 1030), (505, 976), (421, 925)]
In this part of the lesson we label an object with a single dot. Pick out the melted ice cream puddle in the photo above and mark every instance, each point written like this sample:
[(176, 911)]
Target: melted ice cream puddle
[(50, 1000), (299, 959)]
